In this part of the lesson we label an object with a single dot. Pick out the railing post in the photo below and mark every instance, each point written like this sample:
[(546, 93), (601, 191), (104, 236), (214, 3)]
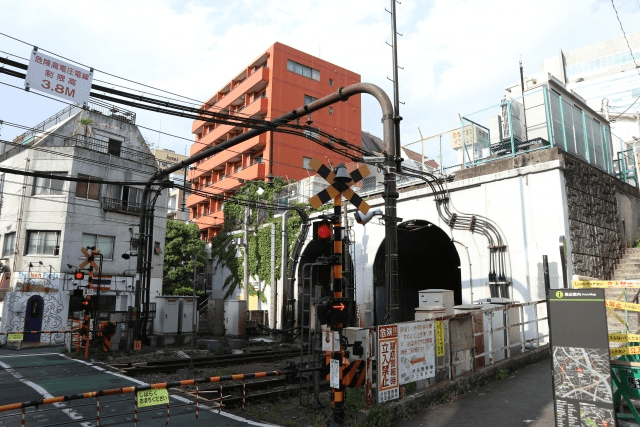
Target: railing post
[(490, 337), (623, 162), (522, 333), (464, 146), (586, 136), (506, 334), (545, 93), (605, 148), (564, 129), (513, 147), (535, 316)]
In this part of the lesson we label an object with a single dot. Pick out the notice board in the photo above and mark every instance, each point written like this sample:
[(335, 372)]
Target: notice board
[(580, 357)]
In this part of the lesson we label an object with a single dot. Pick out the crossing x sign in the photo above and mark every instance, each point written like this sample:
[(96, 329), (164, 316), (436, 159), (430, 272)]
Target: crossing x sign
[(338, 188), (89, 259)]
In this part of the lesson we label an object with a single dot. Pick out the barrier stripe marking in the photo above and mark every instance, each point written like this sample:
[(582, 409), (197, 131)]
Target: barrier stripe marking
[(622, 305), (624, 351), (584, 284), (624, 337)]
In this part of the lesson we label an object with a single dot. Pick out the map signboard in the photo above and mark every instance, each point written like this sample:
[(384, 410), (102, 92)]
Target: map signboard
[(580, 350), (388, 363), (416, 344)]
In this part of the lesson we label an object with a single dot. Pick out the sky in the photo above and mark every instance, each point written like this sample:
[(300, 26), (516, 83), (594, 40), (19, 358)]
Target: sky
[(456, 56)]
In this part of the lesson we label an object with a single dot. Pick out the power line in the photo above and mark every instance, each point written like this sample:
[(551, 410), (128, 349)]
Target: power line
[(632, 56)]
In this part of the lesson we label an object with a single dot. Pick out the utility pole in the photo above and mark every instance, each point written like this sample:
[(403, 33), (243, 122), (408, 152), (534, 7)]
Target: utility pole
[(246, 253), (274, 303), (195, 308), (283, 264)]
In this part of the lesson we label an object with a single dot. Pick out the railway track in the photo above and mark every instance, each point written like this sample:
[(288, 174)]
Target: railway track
[(169, 366)]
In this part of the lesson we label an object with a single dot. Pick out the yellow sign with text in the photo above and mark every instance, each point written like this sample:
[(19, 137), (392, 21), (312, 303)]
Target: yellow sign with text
[(624, 351), (584, 284), (624, 337), (622, 305), (159, 396), (15, 337), (439, 338)]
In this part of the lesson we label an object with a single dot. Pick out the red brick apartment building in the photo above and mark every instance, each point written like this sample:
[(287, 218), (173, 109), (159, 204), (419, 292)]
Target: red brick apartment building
[(279, 80)]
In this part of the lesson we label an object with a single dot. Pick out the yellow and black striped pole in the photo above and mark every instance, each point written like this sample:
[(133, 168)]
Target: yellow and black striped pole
[(338, 413)]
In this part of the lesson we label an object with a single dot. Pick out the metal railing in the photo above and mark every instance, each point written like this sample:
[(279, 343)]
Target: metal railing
[(121, 206), (105, 109), (105, 147)]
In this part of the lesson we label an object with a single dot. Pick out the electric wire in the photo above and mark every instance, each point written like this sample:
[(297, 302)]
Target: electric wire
[(632, 57)]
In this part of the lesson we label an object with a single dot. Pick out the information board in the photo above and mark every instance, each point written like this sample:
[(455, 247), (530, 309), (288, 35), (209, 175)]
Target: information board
[(388, 363), (15, 337), (58, 78), (158, 396), (580, 350), (439, 338), (416, 343)]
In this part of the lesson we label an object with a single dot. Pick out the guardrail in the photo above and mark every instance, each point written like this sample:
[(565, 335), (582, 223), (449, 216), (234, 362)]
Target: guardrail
[(77, 418)]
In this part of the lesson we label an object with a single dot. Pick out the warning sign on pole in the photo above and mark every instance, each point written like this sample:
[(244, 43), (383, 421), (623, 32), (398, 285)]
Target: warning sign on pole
[(58, 78), (388, 363), (416, 343)]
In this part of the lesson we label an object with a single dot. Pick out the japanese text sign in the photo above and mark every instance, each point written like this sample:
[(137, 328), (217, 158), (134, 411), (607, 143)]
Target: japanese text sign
[(439, 338), (388, 363), (15, 337), (158, 396), (58, 78), (416, 346)]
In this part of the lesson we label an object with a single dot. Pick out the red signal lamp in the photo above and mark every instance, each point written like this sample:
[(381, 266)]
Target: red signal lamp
[(79, 275), (322, 230)]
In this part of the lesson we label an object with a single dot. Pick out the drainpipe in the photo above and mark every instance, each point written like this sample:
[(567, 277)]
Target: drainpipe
[(469, 258)]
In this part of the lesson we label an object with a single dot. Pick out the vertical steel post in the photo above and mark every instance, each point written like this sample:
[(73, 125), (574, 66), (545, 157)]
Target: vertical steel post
[(564, 129), (337, 413), (546, 109), (246, 253), (586, 136), (513, 146), (195, 308), (396, 94)]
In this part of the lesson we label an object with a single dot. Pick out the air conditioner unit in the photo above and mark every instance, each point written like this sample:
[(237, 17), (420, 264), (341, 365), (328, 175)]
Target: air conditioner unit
[(512, 119)]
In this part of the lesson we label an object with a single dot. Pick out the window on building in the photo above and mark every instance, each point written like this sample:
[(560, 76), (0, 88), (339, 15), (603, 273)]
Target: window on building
[(157, 250), (305, 163), (1, 191), (114, 147), (87, 190), (330, 82), (173, 201), (102, 243), (48, 186), (303, 70), (43, 242), (309, 99), (9, 244), (330, 110), (257, 159)]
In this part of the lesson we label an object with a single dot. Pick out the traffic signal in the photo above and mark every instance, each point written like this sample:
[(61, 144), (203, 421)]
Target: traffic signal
[(334, 311), (87, 304), (79, 275), (322, 231), (323, 276)]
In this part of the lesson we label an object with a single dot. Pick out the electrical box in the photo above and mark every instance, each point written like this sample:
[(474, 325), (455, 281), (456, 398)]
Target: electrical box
[(436, 297), (500, 318), (358, 351), (235, 317), (215, 317), (187, 307), (167, 315)]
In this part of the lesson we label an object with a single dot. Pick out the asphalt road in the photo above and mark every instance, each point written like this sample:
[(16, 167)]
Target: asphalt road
[(523, 399), (36, 373)]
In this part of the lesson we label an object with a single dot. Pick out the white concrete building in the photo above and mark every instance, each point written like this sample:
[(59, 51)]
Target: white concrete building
[(44, 223), (176, 198)]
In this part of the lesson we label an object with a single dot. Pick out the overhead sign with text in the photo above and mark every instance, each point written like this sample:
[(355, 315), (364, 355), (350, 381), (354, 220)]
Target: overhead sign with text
[(58, 78)]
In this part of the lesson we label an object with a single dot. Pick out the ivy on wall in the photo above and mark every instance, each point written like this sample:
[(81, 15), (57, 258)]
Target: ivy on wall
[(225, 247)]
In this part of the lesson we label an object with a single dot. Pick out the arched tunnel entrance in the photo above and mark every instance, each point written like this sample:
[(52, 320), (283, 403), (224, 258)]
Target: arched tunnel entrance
[(427, 259)]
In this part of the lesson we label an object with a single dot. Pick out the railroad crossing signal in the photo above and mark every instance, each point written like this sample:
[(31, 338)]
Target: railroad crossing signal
[(337, 188), (90, 261)]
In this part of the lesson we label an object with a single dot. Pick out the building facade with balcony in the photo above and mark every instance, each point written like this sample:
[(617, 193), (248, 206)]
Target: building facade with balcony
[(176, 199), (44, 222), (279, 80)]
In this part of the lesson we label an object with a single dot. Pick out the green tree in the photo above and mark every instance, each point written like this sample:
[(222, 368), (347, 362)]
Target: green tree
[(182, 244)]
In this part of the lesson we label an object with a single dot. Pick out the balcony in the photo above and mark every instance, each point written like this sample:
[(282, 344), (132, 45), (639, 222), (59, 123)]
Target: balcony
[(250, 84), (210, 221), (253, 172), (251, 145), (112, 149), (120, 206)]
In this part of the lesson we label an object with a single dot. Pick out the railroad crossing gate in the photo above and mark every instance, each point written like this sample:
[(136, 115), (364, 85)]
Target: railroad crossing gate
[(90, 261), (338, 188)]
